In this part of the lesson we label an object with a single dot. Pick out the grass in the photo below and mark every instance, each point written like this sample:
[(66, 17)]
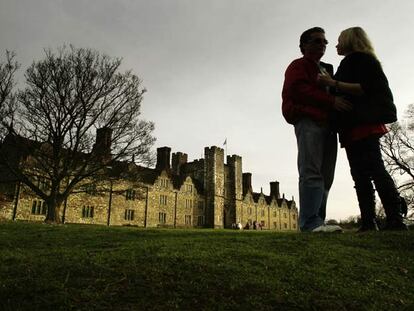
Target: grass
[(75, 267)]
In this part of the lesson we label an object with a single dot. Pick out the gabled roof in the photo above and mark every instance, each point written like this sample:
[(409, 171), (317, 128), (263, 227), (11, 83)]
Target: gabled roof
[(14, 148), (178, 181), (268, 199)]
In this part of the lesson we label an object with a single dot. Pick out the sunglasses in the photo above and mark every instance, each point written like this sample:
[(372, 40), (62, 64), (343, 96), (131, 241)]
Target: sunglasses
[(318, 41)]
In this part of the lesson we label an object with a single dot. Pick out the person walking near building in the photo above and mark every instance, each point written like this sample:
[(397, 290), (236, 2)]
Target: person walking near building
[(308, 106), (361, 80)]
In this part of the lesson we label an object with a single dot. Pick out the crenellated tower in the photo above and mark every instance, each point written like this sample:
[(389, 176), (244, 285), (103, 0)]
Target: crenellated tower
[(234, 189), (214, 186)]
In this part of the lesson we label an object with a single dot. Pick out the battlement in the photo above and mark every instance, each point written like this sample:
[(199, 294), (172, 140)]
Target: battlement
[(213, 149), (233, 159)]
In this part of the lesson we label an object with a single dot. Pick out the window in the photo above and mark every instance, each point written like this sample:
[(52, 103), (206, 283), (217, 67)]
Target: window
[(163, 199), (249, 211), (39, 207), (87, 211), (274, 213), (294, 226), (274, 224), (130, 194), (164, 183), (201, 205), (90, 189), (200, 221), (188, 219), (262, 212), (284, 215), (42, 183), (188, 203), (162, 217), (285, 225), (129, 214), (189, 188), (294, 216)]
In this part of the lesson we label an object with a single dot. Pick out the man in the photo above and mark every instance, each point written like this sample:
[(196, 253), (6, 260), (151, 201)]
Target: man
[(308, 106)]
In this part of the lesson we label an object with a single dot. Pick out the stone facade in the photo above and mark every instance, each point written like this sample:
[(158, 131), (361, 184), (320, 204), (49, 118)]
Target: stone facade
[(178, 194)]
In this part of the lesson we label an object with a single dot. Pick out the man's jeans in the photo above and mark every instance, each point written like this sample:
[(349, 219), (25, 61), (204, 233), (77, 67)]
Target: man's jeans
[(317, 149)]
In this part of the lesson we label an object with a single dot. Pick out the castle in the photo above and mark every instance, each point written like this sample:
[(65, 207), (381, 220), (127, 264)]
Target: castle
[(204, 193)]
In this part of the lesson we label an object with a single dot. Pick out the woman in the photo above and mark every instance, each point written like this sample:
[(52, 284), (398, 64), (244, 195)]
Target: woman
[(361, 80)]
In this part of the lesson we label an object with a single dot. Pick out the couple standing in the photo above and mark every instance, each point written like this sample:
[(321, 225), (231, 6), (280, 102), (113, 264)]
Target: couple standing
[(355, 102)]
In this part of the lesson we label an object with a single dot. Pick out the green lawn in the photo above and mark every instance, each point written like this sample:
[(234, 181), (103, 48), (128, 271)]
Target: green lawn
[(44, 267)]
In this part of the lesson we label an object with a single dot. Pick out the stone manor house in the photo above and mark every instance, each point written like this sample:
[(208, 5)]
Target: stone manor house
[(205, 193)]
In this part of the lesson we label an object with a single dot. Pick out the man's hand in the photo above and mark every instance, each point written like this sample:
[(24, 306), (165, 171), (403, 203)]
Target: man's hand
[(325, 80), (341, 104)]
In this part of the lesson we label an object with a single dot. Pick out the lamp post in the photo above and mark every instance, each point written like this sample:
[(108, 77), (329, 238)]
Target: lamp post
[(16, 201), (110, 201), (110, 196)]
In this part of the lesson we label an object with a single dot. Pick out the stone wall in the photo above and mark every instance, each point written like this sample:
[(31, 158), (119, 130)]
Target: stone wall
[(205, 193)]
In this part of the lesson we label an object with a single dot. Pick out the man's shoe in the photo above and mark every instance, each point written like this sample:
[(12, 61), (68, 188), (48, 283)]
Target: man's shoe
[(368, 227), (395, 225), (327, 229)]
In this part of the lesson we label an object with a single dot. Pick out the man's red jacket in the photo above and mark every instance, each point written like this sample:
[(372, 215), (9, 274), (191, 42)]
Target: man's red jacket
[(301, 94)]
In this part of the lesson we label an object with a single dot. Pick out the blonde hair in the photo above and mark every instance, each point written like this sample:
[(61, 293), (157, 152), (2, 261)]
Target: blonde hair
[(355, 39)]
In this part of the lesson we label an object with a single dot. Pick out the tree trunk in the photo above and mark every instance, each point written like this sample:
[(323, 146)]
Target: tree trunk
[(53, 210)]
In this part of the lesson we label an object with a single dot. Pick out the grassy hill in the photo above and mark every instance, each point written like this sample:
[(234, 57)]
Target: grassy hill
[(44, 267)]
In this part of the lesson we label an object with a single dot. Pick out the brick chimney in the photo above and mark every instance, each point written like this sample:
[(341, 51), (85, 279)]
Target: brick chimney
[(178, 159), (247, 182), (163, 158), (102, 146), (274, 189)]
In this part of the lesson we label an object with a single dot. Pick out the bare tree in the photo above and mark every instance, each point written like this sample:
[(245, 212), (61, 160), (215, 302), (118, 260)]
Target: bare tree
[(398, 149), (8, 69), (70, 95)]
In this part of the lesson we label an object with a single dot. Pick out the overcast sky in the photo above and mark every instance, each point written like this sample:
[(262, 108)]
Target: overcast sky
[(215, 69)]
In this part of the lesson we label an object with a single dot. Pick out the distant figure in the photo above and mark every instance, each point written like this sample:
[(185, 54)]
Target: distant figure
[(239, 226), (247, 226), (308, 106), (255, 225), (361, 80)]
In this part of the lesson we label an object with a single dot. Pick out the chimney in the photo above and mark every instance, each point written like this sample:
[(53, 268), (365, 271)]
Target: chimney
[(178, 159), (247, 182), (274, 189), (163, 158), (102, 146)]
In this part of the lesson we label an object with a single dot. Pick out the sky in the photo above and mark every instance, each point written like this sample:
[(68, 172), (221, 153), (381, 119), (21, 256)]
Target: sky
[(214, 69)]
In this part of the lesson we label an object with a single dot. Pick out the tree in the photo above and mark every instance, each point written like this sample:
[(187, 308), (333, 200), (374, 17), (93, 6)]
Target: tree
[(69, 95), (398, 149), (8, 69)]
